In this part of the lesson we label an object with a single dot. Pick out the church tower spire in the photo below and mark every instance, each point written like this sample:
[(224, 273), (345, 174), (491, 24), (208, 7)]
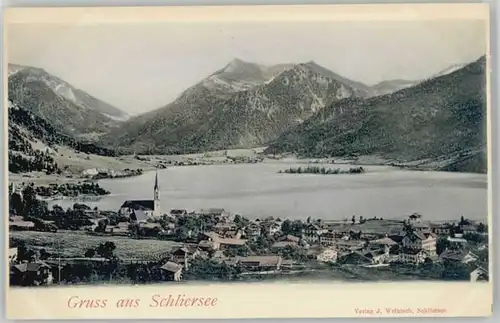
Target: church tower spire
[(156, 189)]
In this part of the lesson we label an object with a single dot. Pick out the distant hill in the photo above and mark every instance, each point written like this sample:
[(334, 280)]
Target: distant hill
[(242, 105), (73, 111), (33, 143), (441, 116)]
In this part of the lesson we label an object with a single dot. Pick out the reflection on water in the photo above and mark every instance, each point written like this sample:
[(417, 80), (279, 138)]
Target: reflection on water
[(257, 190)]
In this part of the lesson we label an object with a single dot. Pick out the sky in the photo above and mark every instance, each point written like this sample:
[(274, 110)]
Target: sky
[(138, 67)]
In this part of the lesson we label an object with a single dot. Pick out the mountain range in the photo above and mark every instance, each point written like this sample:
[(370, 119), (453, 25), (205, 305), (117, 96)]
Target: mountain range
[(69, 109), (442, 116), (295, 108), (241, 105)]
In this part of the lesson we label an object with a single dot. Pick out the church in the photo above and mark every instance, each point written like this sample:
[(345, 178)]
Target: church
[(151, 208)]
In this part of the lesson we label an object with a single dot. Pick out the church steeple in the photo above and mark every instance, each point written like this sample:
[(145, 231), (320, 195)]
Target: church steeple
[(156, 181), (156, 195)]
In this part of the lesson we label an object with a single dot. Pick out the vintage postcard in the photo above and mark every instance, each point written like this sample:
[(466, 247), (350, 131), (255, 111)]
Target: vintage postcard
[(185, 162)]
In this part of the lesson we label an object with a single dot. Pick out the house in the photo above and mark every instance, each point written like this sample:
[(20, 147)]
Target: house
[(419, 240), (208, 245), (213, 212), (414, 218), (185, 254), (284, 244), (33, 273), (139, 216), (312, 232), (348, 245), (479, 274), (355, 258), (270, 228), (229, 242), (260, 263), (386, 241), (222, 228), (178, 212), (415, 256), (172, 271), (467, 227), (422, 227), (459, 256), (379, 256), (152, 208), (327, 239), (441, 229), (327, 255), (21, 225), (252, 231), (12, 255), (457, 239), (292, 238)]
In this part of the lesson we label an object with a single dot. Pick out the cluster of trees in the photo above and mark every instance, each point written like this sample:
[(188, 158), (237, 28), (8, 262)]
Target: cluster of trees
[(322, 170), (201, 269), (38, 128), (72, 190), (38, 161), (26, 204)]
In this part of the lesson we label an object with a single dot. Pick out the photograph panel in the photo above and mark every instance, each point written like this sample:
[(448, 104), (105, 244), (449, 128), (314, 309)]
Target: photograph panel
[(195, 151)]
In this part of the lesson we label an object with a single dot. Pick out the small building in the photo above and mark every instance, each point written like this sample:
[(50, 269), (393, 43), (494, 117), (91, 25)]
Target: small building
[(178, 212), (139, 216), (184, 255), (458, 256), (21, 225), (312, 233), (479, 274), (172, 271), (441, 229), (252, 231), (327, 255), (379, 256), (457, 239), (12, 255), (228, 242), (327, 239), (414, 256), (292, 238), (386, 241), (414, 218), (260, 263), (284, 244), (31, 274), (419, 240), (222, 228), (208, 245)]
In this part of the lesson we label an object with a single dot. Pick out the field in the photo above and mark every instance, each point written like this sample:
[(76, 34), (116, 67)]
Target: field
[(74, 244)]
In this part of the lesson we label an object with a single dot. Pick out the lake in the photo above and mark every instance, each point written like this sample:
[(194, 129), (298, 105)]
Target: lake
[(258, 190)]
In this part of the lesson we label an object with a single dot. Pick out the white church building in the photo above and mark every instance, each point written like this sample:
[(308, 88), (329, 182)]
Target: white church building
[(151, 208)]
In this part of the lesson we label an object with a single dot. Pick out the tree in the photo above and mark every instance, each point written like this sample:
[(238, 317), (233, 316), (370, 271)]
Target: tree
[(44, 254), (90, 253), (106, 249), (353, 219), (308, 220), (286, 226), (16, 203), (481, 228), (441, 245)]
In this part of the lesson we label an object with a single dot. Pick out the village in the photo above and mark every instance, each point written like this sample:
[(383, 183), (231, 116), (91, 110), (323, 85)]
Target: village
[(217, 245)]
